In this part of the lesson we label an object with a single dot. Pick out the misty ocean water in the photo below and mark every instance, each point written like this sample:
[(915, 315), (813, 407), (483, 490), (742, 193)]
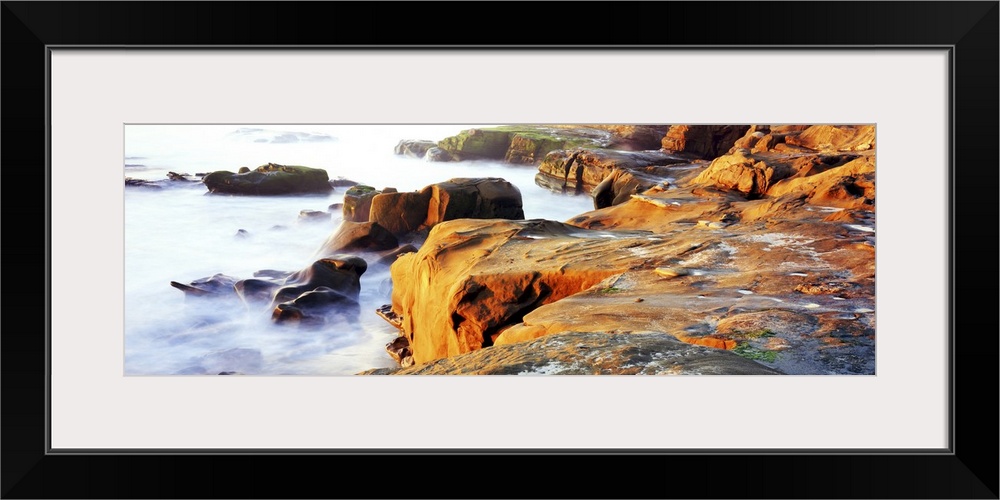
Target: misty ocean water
[(182, 233)]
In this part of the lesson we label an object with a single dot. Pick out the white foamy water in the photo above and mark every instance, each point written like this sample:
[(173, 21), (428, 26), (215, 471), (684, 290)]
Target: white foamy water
[(183, 234)]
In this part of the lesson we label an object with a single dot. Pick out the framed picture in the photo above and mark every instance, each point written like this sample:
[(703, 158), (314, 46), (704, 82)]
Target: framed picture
[(98, 386)]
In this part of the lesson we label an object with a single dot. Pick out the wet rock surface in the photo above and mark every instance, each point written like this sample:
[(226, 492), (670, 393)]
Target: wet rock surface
[(764, 251), (173, 180), (742, 249), (582, 170), (270, 179), (519, 144), (358, 203), (460, 198), (414, 148), (703, 141), (471, 278), (325, 292), (588, 353)]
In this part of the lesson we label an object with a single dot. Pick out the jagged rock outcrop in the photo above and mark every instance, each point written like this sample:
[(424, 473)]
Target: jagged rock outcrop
[(835, 138), (635, 137), (777, 270), (584, 169), (851, 185), (525, 144), (746, 175), (622, 184), (474, 198), (471, 278), (704, 141)]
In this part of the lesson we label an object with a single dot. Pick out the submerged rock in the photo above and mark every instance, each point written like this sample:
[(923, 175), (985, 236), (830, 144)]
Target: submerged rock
[(342, 182), (329, 288), (233, 361), (131, 182), (438, 154), (313, 216), (316, 307), (413, 148), (255, 291), (182, 177), (173, 180), (218, 285), (270, 179), (340, 272)]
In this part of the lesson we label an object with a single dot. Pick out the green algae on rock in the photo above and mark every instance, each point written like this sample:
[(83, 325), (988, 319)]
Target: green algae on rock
[(270, 179), (519, 144)]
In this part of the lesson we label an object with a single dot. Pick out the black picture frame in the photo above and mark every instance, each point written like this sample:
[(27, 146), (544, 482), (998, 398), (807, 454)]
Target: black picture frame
[(970, 29)]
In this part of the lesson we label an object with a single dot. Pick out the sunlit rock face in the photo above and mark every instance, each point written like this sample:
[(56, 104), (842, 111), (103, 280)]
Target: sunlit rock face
[(473, 277), (835, 138), (459, 198), (737, 172), (735, 250), (766, 254), (358, 203), (581, 170)]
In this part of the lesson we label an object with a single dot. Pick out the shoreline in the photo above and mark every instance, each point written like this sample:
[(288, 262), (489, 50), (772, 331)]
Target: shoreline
[(751, 246)]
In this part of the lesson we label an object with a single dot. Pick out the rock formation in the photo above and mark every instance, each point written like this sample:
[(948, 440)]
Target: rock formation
[(270, 179), (753, 241)]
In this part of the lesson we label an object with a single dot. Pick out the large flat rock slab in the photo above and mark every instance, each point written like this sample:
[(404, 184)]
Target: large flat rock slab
[(586, 353)]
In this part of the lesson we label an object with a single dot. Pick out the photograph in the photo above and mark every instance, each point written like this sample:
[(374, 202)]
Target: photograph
[(499, 249), (263, 227)]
